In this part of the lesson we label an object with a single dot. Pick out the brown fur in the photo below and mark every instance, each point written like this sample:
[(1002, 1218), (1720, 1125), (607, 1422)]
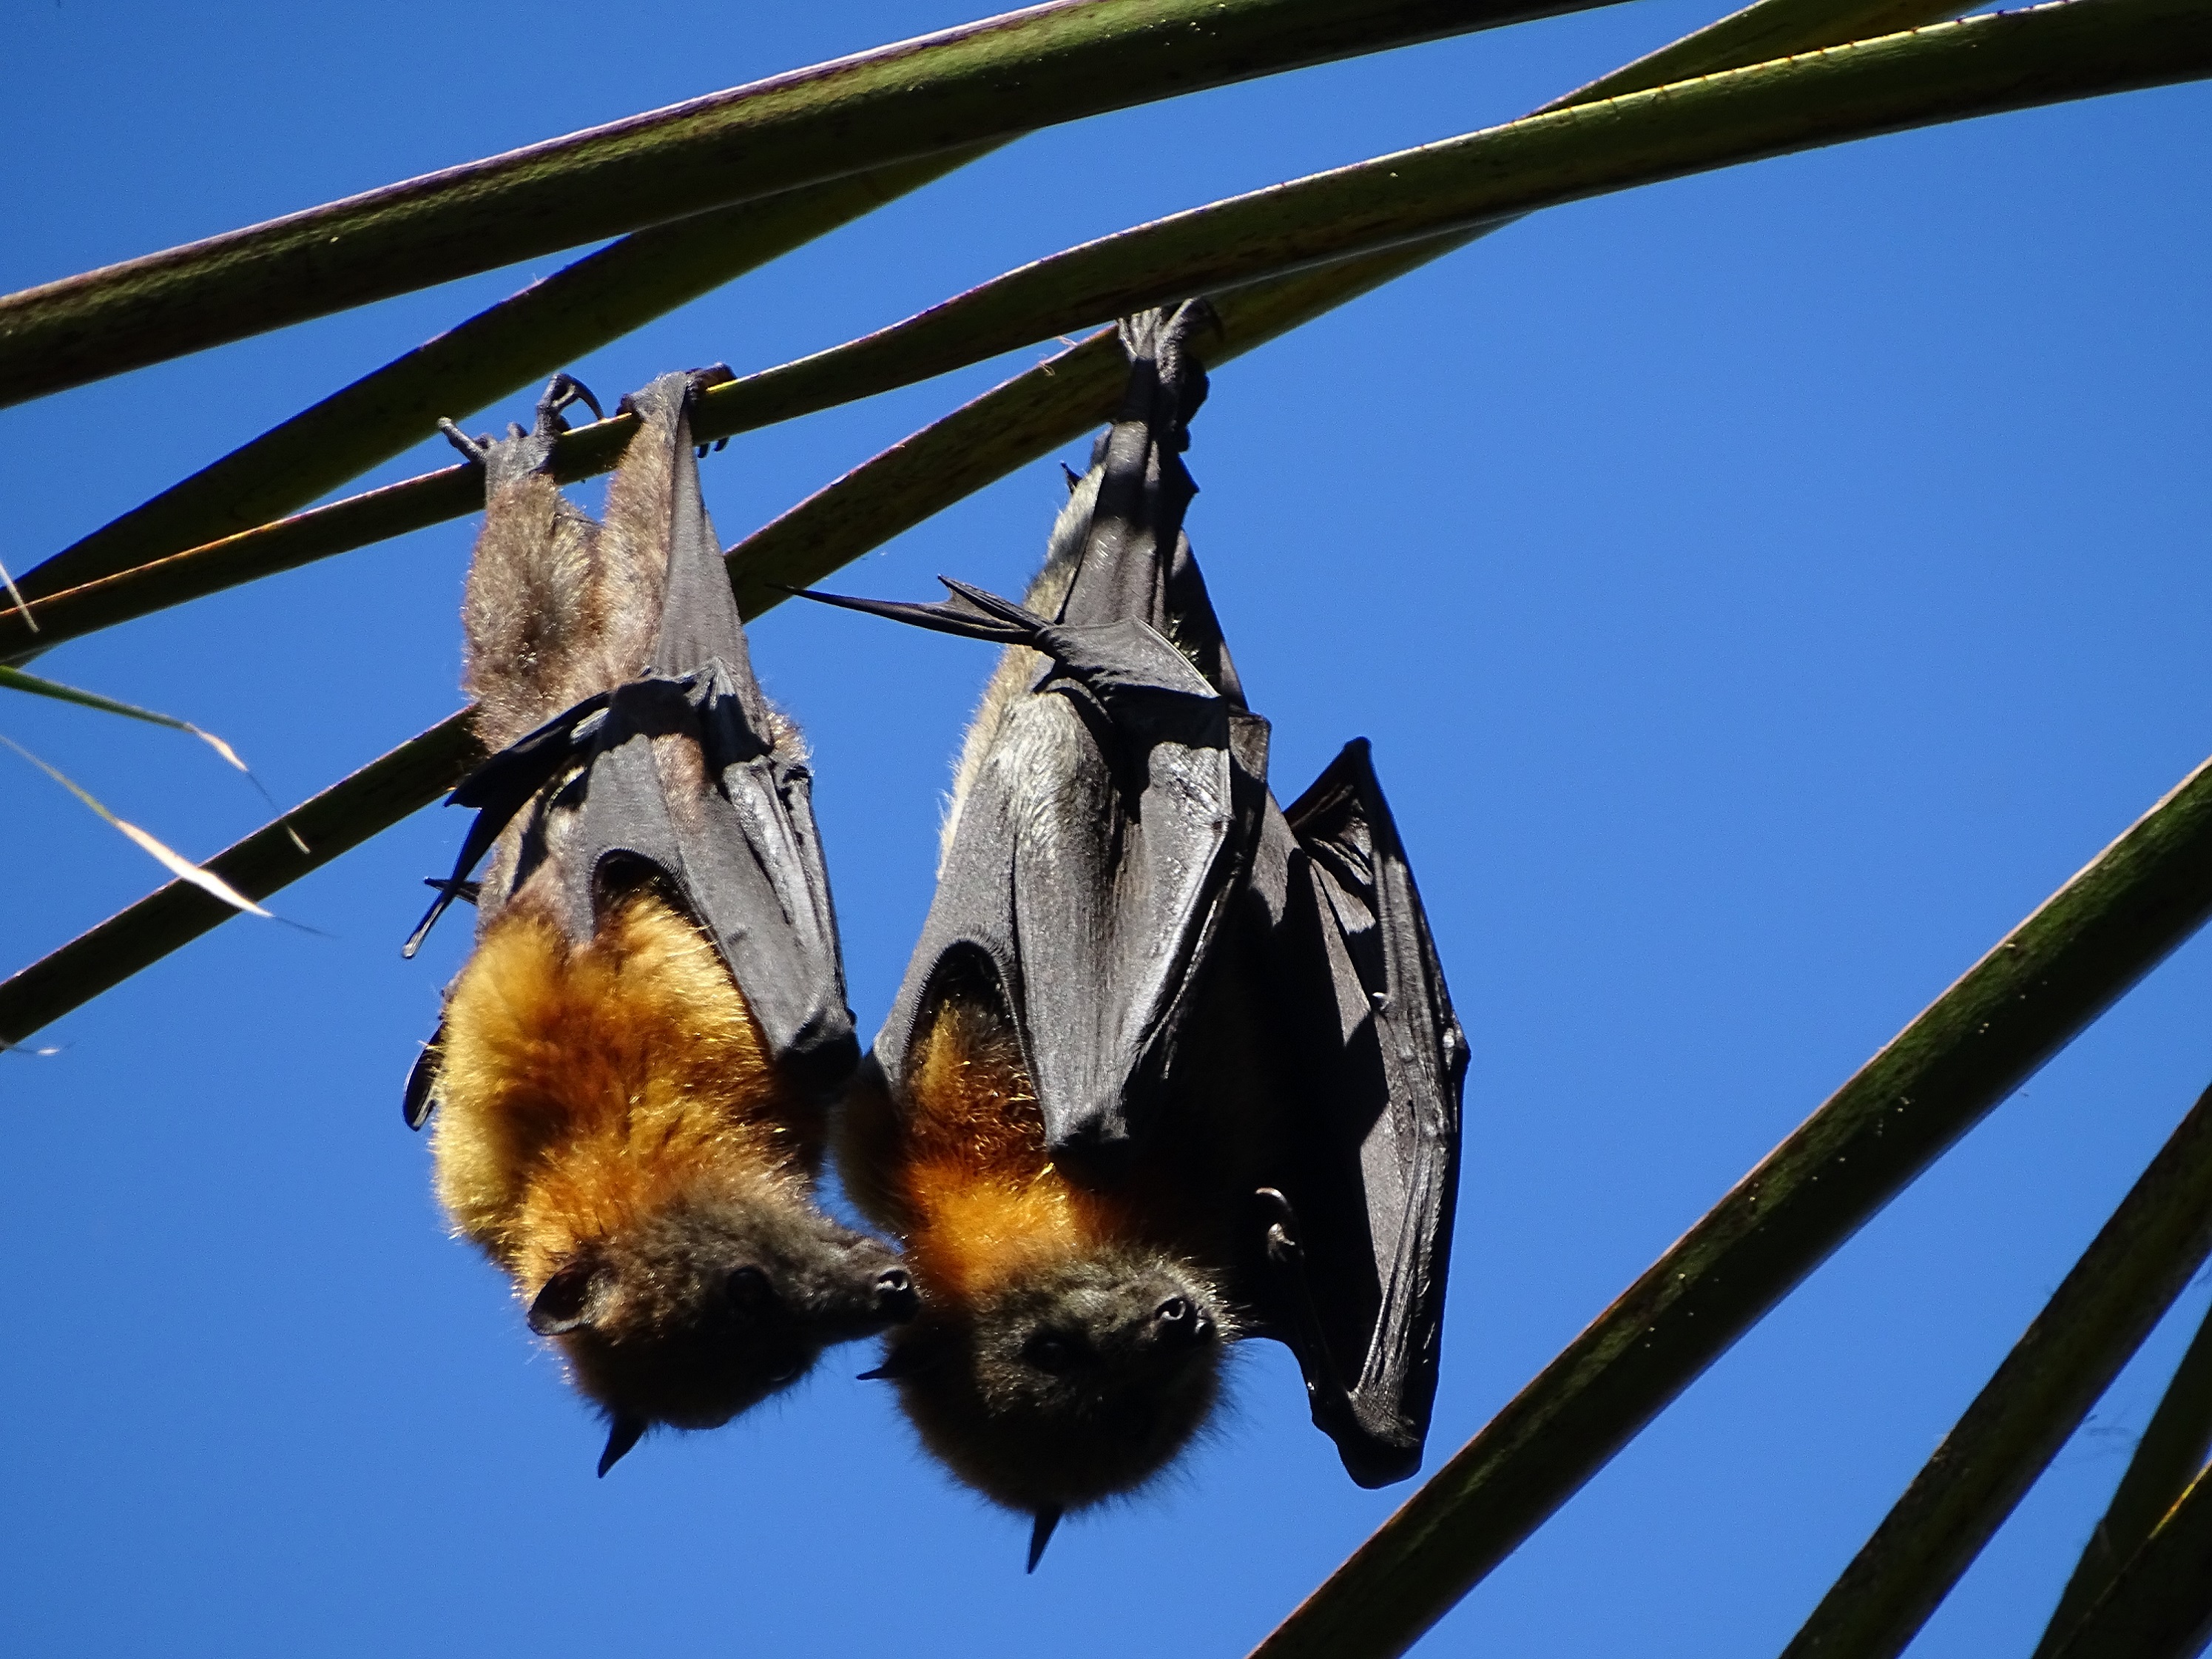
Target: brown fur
[(611, 1130), (607, 1111), (632, 559), (531, 597), (557, 607), (1006, 1247), (582, 1089)]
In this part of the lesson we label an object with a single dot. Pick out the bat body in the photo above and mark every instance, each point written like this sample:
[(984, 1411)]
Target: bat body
[(633, 1069), (1171, 1066)]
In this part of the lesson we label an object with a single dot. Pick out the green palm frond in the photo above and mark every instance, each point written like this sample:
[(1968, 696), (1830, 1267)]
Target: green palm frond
[(2172, 1452), (2121, 1288), (15, 679), (981, 83)]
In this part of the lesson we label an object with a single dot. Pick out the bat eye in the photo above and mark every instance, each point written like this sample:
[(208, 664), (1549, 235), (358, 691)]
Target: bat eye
[(1050, 1352), (749, 1287)]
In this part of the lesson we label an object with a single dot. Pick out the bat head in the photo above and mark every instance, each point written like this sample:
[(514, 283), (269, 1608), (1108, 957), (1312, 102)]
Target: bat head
[(712, 1302), (1069, 1383)]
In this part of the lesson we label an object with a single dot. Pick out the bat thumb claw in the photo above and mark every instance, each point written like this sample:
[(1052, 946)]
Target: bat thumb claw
[(1041, 1532), (621, 1434)]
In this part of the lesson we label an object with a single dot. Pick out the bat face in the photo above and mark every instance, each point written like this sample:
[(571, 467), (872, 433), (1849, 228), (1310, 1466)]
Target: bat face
[(1067, 1347), (1069, 1382), (1171, 1066), (632, 1072), (714, 1303)]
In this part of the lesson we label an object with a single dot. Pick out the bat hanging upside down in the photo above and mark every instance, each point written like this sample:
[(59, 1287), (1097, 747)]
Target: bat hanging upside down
[(634, 1070), (1172, 1066)]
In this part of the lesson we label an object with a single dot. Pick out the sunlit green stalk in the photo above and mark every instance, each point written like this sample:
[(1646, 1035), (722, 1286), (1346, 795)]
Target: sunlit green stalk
[(2161, 1605), (981, 82), (2096, 1320), (2172, 1450), (1940, 73), (494, 353), (309, 836)]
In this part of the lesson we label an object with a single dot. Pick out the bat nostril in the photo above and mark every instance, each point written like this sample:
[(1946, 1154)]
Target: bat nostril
[(1177, 1322), (895, 1295)]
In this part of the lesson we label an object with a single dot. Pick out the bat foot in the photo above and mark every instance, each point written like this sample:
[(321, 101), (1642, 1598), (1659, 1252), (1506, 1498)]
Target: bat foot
[(476, 449), (562, 392)]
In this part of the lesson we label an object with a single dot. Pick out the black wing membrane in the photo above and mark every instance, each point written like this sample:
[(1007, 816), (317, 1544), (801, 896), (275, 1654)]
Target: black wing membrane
[(1358, 1232), (1118, 863), (1100, 847), (734, 841)]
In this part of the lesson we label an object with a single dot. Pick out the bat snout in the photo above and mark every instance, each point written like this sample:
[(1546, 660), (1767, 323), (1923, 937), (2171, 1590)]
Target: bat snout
[(896, 1300), (862, 1288), (1179, 1323)]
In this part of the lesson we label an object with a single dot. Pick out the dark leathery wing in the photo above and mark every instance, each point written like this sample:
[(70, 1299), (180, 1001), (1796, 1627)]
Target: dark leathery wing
[(1171, 946)]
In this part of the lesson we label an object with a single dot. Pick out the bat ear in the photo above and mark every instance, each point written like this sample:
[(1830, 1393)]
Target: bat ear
[(1041, 1532), (574, 1297), (622, 1433)]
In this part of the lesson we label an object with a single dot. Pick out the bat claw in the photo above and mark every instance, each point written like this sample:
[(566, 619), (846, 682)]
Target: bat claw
[(621, 1434), (562, 392), (1041, 1532), (475, 448)]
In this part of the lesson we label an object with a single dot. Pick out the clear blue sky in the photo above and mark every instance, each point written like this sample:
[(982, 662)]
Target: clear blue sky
[(1761, 591)]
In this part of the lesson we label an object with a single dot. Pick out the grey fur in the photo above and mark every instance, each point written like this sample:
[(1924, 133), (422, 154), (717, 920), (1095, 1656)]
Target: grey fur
[(1072, 1384), (672, 1330), (1018, 666)]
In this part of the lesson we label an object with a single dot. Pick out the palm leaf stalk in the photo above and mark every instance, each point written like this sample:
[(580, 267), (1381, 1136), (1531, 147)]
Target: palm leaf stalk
[(1948, 72), (494, 354), (2121, 1288), (1055, 402), (989, 437), (2161, 1605), (307, 837), (981, 82), (504, 347), (1940, 73), (2172, 1450), (2018, 1006)]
